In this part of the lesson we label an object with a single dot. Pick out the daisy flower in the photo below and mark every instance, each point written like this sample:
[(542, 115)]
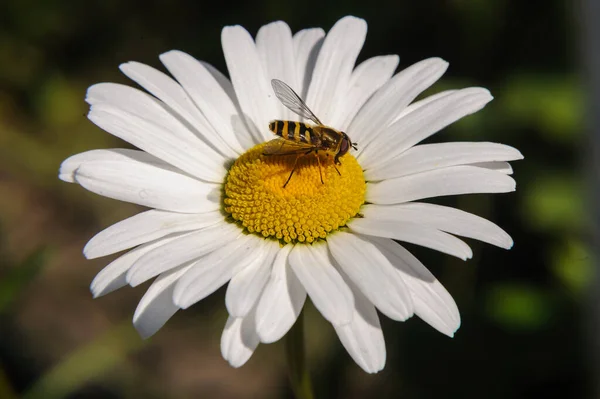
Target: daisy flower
[(220, 212)]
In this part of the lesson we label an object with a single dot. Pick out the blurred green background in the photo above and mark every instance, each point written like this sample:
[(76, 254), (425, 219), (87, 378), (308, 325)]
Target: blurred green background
[(524, 332)]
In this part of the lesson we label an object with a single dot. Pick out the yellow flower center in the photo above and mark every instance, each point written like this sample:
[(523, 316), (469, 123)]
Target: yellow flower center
[(303, 211)]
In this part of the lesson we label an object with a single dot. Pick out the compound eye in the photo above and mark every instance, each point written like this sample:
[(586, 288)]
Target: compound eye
[(344, 146)]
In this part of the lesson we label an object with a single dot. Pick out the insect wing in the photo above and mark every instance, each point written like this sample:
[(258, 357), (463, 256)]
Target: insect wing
[(282, 146), (292, 101)]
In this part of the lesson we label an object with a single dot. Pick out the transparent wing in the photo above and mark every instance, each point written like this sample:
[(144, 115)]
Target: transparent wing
[(292, 101), (282, 146)]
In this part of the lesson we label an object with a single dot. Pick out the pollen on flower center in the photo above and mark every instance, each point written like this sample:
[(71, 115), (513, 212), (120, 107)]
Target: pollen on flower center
[(303, 211)]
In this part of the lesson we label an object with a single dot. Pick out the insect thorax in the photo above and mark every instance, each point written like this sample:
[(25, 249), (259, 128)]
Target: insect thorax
[(330, 138)]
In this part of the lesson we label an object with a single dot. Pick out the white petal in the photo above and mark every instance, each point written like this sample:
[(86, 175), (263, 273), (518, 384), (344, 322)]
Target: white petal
[(208, 93), (440, 182), (144, 227), (426, 157), (422, 123), (172, 94), (276, 50), (307, 44), (246, 286), (414, 233), (444, 218), (178, 150), (156, 306), (418, 104), (239, 340), (148, 108), (363, 337), (326, 288), (281, 302), (386, 103), (432, 302), (70, 165), (215, 269), (185, 249), (372, 273), (502, 167), (253, 89), (241, 132), (367, 78), (334, 66), (148, 185), (113, 276)]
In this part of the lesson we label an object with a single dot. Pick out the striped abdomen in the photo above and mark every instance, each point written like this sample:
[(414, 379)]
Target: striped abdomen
[(295, 131)]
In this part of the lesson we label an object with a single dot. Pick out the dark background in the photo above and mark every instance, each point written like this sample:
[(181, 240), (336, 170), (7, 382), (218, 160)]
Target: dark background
[(525, 330)]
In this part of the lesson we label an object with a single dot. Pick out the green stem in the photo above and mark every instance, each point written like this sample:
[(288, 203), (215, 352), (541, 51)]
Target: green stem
[(296, 359)]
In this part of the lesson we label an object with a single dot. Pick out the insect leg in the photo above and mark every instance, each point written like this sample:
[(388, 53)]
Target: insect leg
[(336, 161), (319, 162), (293, 170), (295, 165)]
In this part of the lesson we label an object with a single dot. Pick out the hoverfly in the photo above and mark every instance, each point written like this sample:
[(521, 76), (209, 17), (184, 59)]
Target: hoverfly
[(301, 139)]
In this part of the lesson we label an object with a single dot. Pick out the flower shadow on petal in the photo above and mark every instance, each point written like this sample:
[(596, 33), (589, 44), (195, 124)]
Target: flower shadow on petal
[(248, 330), (358, 304), (402, 259), (71, 164), (215, 194), (310, 66), (361, 308), (245, 129), (298, 290), (223, 82), (190, 126)]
